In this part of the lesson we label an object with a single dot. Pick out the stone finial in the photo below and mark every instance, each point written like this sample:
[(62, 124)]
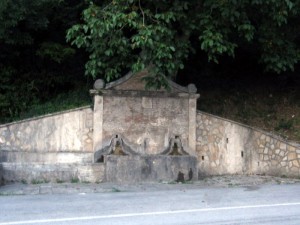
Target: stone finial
[(192, 88), (99, 84)]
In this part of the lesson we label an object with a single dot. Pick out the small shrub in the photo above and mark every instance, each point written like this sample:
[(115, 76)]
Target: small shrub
[(34, 181), (74, 180), (285, 125), (115, 190), (23, 181)]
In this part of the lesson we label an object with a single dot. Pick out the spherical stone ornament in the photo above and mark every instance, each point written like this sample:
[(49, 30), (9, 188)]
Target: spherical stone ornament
[(99, 84), (192, 88)]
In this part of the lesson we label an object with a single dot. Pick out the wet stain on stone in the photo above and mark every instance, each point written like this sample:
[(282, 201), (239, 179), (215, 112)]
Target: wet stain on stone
[(190, 174), (251, 188), (180, 177)]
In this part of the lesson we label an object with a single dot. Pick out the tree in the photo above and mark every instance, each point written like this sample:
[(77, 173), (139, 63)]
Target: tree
[(35, 61), (122, 35)]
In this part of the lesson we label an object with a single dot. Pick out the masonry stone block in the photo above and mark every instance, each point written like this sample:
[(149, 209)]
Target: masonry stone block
[(296, 163), (292, 156)]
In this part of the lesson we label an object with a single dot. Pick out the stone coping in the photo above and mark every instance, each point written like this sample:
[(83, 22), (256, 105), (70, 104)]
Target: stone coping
[(137, 93), (45, 116), (275, 136)]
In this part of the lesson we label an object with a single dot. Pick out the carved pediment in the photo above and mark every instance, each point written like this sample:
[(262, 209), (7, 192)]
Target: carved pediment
[(135, 82)]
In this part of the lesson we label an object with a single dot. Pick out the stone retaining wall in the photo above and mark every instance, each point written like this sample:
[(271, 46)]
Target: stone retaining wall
[(227, 147), (66, 131), (64, 142), (55, 147)]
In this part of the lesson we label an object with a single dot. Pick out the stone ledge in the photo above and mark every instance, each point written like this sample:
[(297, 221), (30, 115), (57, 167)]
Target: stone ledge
[(46, 172), (46, 157)]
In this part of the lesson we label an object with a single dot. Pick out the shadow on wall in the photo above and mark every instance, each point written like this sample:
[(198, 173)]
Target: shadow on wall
[(2, 182)]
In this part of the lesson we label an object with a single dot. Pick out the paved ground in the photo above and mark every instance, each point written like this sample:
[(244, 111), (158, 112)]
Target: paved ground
[(218, 200), (69, 188)]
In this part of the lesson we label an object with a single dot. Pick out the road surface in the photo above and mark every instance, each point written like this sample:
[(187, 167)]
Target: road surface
[(265, 204)]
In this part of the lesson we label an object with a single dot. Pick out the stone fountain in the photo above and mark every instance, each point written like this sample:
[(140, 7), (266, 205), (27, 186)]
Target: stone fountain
[(144, 135)]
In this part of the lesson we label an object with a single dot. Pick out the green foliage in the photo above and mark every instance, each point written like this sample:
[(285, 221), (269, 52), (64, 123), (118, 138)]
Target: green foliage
[(125, 35), (17, 15), (5, 87), (74, 180), (64, 101), (35, 181), (23, 181), (36, 64), (132, 35), (59, 181), (115, 190), (284, 124), (15, 96), (55, 51)]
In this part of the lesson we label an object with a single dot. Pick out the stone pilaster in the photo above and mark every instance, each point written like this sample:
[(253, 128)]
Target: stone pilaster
[(98, 122), (192, 122)]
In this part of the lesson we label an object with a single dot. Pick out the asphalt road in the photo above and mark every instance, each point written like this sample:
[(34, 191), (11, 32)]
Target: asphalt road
[(266, 204)]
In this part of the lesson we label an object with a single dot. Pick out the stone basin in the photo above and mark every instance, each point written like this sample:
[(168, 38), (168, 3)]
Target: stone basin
[(150, 168)]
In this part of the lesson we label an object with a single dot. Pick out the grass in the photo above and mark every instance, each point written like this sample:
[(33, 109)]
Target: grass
[(35, 181), (59, 181)]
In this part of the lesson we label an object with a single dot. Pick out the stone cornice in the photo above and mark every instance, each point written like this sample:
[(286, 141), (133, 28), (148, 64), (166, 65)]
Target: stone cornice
[(138, 93)]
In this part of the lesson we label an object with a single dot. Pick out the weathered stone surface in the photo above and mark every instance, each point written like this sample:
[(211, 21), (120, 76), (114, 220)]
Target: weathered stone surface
[(296, 163), (57, 132), (43, 173), (99, 84), (141, 118), (45, 157), (292, 156), (243, 149), (282, 146), (131, 169), (192, 88)]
